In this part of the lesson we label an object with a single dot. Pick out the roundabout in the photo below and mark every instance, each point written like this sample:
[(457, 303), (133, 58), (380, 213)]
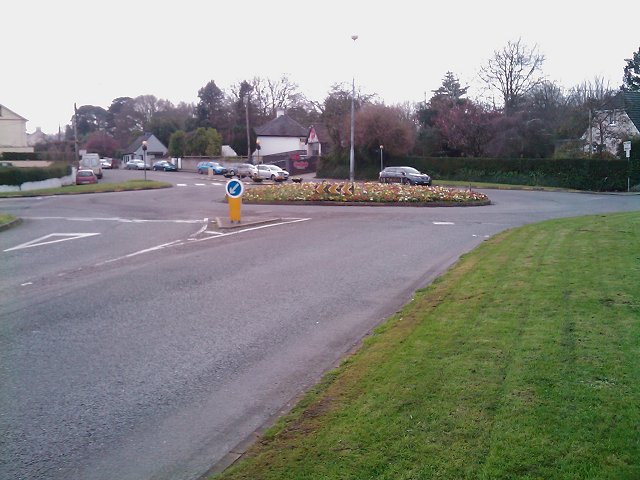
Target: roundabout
[(364, 194)]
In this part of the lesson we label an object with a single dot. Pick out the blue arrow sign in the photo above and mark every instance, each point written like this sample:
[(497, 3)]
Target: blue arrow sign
[(234, 188)]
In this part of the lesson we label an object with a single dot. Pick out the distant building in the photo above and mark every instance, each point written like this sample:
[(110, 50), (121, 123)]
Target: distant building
[(227, 151), (155, 148), (285, 142), (617, 121), (281, 135), (36, 137), (13, 132)]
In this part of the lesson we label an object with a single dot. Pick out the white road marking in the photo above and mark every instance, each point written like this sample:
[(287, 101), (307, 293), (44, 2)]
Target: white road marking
[(443, 223), (111, 219), (140, 252), (181, 184), (249, 229), (43, 240)]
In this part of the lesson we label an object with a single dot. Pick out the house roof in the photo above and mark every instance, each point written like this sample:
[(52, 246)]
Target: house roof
[(19, 117), (321, 132), (632, 106), (282, 126), (137, 143)]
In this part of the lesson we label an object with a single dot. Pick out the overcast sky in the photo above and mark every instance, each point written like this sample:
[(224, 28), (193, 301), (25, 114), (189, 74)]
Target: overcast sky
[(57, 52)]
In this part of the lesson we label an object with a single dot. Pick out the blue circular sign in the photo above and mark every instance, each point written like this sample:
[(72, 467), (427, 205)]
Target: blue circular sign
[(234, 188)]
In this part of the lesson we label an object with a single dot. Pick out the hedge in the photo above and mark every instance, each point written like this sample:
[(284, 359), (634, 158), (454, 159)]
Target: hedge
[(8, 156), (578, 174), (18, 176)]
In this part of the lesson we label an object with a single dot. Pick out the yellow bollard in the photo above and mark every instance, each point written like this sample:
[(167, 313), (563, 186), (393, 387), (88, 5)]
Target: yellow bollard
[(234, 208), (234, 189)]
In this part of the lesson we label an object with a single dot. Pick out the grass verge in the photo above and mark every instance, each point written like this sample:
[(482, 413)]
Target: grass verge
[(520, 362), (129, 185), (6, 219)]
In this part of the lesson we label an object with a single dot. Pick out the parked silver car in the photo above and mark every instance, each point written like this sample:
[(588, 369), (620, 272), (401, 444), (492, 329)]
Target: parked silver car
[(136, 164), (405, 175), (246, 170), (271, 172)]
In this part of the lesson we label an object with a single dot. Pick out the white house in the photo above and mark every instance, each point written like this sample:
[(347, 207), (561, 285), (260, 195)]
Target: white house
[(617, 122), (281, 135), (13, 132), (155, 148)]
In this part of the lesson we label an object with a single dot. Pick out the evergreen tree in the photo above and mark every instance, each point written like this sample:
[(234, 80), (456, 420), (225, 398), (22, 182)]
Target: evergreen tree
[(632, 73)]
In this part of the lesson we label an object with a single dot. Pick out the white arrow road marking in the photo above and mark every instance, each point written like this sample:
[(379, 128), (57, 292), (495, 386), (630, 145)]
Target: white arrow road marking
[(62, 237)]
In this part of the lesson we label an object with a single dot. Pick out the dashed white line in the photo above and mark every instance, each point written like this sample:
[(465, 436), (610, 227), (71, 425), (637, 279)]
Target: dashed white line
[(443, 223)]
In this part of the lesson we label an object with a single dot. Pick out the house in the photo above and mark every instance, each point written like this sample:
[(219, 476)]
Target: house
[(285, 142), (155, 148), (618, 121), (282, 135), (36, 137), (13, 132), (318, 140)]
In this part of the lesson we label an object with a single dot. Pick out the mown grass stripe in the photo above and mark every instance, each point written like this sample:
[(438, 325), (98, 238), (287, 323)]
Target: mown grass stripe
[(521, 362)]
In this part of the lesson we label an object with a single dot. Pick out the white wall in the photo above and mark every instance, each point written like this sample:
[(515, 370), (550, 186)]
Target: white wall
[(272, 145), (13, 130)]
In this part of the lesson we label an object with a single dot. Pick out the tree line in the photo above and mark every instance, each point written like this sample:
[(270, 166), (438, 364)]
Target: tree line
[(520, 114)]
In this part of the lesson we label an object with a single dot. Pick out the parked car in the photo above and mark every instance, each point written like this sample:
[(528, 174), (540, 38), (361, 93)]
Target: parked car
[(284, 172), (270, 172), (84, 176), (406, 175), (203, 167), (165, 165), (246, 170), (106, 163), (136, 164)]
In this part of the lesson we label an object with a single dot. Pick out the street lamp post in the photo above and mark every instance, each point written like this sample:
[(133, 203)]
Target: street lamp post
[(258, 149), (381, 165), (351, 152), (144, 158)]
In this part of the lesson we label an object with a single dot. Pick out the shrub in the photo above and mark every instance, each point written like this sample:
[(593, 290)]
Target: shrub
[(18, 176), (8, 156)]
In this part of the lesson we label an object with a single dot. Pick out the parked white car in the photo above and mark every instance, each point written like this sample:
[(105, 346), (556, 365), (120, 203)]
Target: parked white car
[(271, 172), (136, 164)]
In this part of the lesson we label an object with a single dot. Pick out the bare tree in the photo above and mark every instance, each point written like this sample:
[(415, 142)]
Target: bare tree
[(273, 95), (598, 100), (514, 71)]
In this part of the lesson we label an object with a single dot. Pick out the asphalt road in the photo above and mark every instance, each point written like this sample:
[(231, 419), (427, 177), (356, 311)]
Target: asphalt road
[(139, 342)]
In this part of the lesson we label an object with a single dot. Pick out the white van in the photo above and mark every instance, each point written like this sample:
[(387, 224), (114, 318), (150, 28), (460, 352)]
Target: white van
[(91, 161)]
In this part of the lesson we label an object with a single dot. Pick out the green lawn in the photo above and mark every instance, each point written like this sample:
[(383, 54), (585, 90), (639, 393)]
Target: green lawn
[(522, 362)]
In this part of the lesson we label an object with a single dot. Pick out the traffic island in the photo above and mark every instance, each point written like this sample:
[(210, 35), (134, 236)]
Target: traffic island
[(365, 194), (224, 223)]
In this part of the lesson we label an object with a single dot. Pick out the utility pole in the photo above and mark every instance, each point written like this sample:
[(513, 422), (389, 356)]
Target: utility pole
[(246, 114), (75, 131), (351, 151)]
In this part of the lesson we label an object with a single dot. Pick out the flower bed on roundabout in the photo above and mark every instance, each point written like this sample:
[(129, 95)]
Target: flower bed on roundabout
[(367, 193)]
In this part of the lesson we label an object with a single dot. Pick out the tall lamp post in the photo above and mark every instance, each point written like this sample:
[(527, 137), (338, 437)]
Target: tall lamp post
[(381, 165), (351, 152), (144, 158)]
